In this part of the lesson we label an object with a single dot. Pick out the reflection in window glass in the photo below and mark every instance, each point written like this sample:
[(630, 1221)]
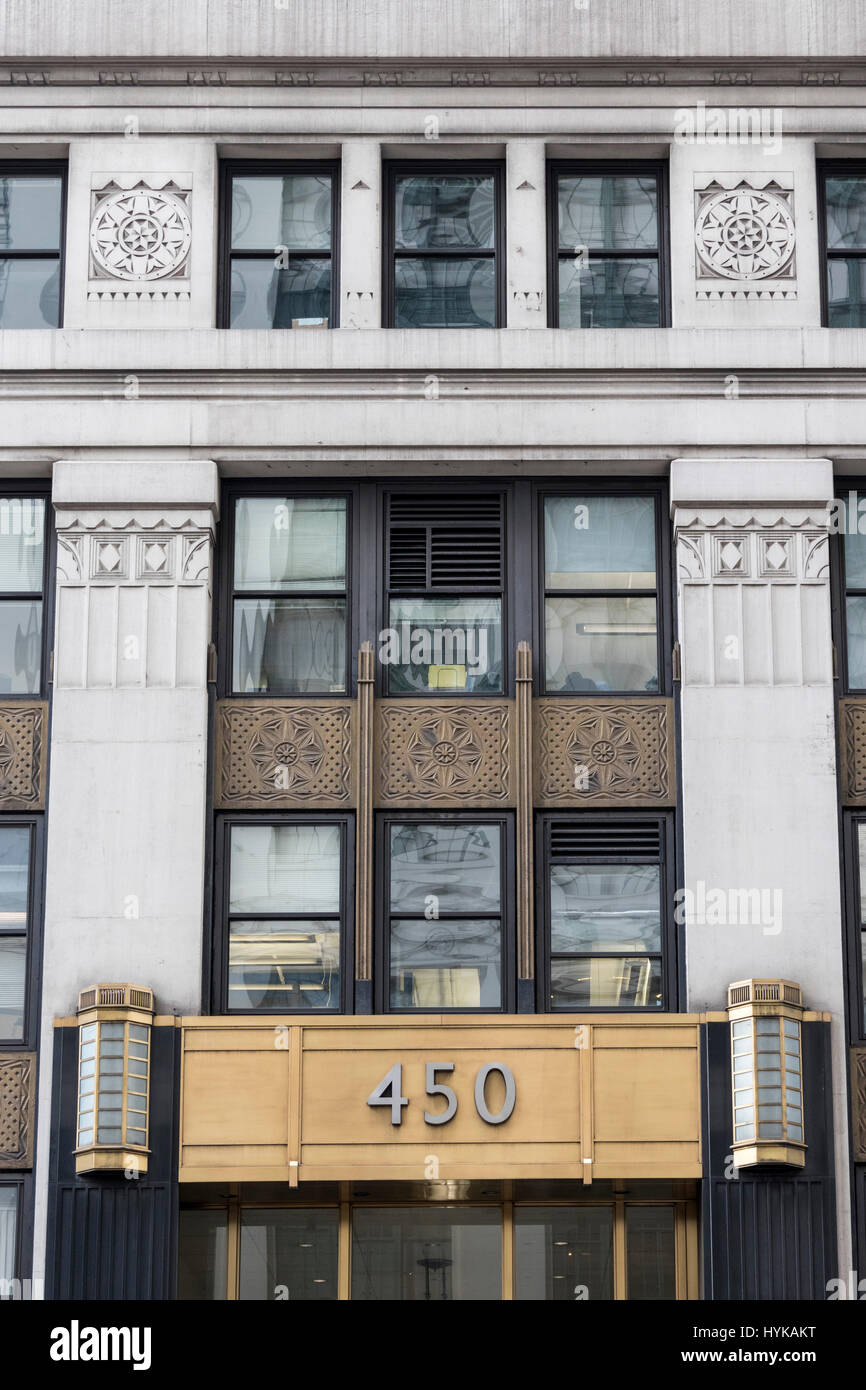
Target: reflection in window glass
[(445, 916), (285, 916), (609, 294), (845, 204), (290, 543), (445, 293), (8, 1233), (427, 1254), (444, 644), (608, 250), (861, 843), (289, 1255), (201, 1257), (14, 912), (650, 1253), (599, 542), (280, 250), (563, 1254), (436, 213), (30, 234), (29, 212)]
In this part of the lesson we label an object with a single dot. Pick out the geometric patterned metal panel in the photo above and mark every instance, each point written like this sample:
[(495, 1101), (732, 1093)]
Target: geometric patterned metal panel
[(17, 1081), (858, 1103), (283, 754), (23, 753), (430, 753), (852, 751), (603, 753)]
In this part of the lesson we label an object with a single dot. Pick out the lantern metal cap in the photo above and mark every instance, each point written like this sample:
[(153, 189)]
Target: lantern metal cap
[(764, 992), (116, 997)]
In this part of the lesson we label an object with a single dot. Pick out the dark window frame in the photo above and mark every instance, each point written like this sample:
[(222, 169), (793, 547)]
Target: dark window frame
[(663, 591), (225, 593), (222, 873), (22, 1249), (232, 168), (41, 167), (833, 168), (32, 934), (637, 168), (382, 907), (402, 168), (453, 488), (839, 591), (10, 491), (667, 860), (851, 821)]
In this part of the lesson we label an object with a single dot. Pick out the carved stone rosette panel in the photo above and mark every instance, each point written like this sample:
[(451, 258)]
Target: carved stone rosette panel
[(23, 752), (283, 753), (429, 753), (852, 749), (745, 236), (604, 753), (858, 1103), (17, 1077)]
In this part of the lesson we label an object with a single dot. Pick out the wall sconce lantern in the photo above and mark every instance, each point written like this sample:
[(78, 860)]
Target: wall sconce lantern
[(767, 1072), (114, 1027)]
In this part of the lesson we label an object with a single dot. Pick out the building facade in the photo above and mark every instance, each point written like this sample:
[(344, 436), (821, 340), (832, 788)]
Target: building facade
[(432, 650)]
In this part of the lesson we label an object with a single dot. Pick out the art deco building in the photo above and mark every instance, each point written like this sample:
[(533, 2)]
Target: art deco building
[(432, 650)]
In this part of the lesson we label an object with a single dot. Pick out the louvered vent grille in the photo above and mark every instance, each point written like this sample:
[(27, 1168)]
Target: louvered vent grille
[(576, 841), (445, 543)]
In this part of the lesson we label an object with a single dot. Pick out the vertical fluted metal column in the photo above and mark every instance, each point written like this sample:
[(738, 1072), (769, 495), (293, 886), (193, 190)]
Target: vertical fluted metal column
[(523, 775), (364, 822)]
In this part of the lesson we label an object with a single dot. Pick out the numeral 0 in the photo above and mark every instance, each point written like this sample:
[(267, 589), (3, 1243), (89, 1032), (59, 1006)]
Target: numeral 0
[(390, 1092)]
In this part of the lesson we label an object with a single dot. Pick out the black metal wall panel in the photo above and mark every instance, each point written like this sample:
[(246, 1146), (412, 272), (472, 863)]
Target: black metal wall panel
[(112, 1237), (768, 1234)]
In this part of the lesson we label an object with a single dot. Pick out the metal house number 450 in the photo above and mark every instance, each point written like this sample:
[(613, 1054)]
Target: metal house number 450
[(390, 1092)]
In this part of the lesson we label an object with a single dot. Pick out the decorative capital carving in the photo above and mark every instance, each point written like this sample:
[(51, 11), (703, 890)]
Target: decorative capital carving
[(17, 1078), (604, 753), (23, 753), (444, 754), (284, 753)]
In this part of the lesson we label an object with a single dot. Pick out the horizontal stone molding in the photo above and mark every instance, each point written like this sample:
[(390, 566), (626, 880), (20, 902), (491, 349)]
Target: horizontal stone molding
[(604, 753), (284, 753), (17, 1086)]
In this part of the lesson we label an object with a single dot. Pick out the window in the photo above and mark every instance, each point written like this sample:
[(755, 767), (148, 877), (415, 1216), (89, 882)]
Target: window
[(280, 230), (32, 207), (854, 582), (608, 230), (287, 913), (600, 587), (8, 1238), (442, 236), (858, 973), (290, 1254), (445, 568), (15, 927), (445, 928), (22, 580), (604, 939), (289, 603), (434, 1254), (843, 221)]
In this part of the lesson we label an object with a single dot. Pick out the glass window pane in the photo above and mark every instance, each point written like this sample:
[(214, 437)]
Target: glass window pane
[(14, 875), (289, 1255), (609, 293), (8, 1230), (22, 531), (846, 212), (855, 550), (444, 210), (600, 982), (458, 864), (292, 210), (20, 647), (563, 1253), (284, 965), (601, 644), (432, 1254), (287, 543), (846, 293), (30, 292), (444, 292), (13, 962), (599, 543), (30, 212), (294, 296), (650, 1253), (202, 1255), (444, 644), (290, 646), (614, 212), (285, 868), (605, 907), (451, 963)]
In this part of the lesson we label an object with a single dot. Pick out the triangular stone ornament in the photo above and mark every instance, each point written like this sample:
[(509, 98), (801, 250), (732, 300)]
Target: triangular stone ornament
[(526, 185), (360, 184)]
